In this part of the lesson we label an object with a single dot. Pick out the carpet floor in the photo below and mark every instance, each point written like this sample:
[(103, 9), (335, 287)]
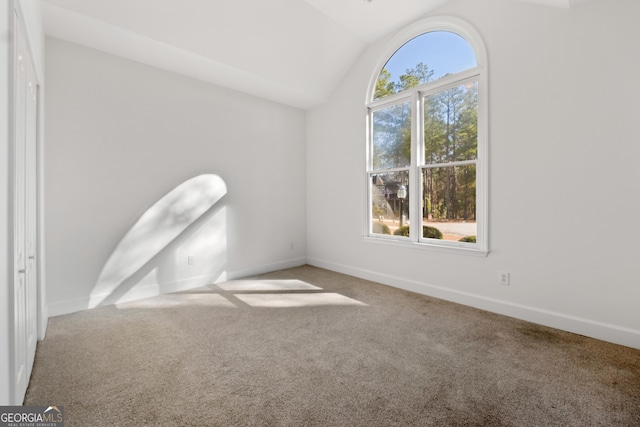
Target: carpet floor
[(310, 347)]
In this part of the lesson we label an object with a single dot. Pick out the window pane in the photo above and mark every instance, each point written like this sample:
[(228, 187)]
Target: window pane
[(422, 59), (392, 137), (390, 203), (450, 201), (451, 124)]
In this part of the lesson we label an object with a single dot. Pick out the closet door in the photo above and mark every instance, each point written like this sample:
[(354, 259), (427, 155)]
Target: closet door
[(25, 232), (31, 243), (19, 218)]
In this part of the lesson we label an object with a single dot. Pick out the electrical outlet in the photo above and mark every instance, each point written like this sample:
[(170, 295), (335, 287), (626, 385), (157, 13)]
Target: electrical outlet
[(503, 278), (191, 260)]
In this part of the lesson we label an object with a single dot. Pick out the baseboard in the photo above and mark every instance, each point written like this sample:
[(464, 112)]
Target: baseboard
[(590, 328), (43, 322), (146, 291), (151, 290)]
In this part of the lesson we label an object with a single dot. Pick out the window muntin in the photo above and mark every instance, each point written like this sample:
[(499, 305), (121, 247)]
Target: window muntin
[(446, 174)]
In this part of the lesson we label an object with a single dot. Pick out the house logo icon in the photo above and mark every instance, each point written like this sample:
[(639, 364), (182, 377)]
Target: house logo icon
[(52, 416), (53, 408)]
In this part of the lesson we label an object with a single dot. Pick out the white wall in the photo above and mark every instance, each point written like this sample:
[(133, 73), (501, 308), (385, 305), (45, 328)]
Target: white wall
[(564, 93), (31, 14), (120, 136)]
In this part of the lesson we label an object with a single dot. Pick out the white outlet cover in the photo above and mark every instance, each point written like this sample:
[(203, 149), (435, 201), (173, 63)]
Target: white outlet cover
[(503, 278)]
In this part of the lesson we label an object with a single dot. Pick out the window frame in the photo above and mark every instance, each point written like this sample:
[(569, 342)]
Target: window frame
[(416, 97)]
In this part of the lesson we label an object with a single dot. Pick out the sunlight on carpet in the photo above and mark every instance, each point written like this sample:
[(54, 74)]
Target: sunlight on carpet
[(174, 300), (267, 285), (297, 300)]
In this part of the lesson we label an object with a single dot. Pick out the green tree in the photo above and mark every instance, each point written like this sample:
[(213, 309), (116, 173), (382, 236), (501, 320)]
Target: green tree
[(392, 136), (414, 77), (384, 85)]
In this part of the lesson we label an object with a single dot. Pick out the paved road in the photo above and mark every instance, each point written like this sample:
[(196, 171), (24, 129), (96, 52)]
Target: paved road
[(456, 228)]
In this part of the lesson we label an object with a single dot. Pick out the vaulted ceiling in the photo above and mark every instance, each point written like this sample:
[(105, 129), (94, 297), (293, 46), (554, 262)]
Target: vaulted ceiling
[(289, 51)]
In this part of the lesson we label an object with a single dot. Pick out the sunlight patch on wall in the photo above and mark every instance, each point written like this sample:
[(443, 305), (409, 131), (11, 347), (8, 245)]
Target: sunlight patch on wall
[(190, 215)]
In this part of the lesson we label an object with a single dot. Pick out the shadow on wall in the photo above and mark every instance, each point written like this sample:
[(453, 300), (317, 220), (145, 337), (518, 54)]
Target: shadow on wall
[(178, 243)]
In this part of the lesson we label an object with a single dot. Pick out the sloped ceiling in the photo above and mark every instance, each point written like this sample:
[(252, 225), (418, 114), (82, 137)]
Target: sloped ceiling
[(290, 51)]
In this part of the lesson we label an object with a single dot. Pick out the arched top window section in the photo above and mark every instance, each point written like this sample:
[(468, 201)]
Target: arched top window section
[(427, 139), (425, 58), (447, 45)]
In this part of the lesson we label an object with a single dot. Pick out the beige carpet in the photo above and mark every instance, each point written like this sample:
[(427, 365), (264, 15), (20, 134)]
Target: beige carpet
[(276, 351)]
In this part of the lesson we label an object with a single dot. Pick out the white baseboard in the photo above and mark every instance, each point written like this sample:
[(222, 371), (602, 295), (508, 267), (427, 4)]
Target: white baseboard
[(138, 292), (590, 328), (151, 290), (43, 321)]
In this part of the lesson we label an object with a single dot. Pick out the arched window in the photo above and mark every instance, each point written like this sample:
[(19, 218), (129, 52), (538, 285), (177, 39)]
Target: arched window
[(427, 139)]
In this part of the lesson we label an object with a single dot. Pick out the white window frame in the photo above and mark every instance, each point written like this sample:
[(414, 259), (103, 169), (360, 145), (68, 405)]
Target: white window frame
[(416, 96)]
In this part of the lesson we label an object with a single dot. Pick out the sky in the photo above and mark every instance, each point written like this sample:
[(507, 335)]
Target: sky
[(442, 51)]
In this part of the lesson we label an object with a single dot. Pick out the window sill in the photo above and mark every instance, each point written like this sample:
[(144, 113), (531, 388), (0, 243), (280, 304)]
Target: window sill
[(451, 248)]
